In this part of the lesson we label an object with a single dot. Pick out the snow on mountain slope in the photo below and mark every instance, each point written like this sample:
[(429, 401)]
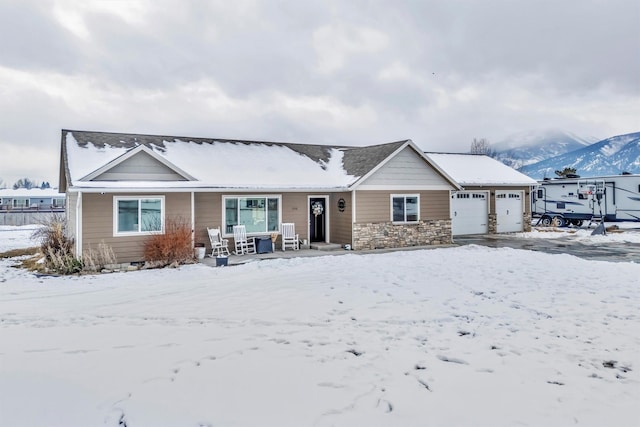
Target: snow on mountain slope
[(530, 147), (610, 156)]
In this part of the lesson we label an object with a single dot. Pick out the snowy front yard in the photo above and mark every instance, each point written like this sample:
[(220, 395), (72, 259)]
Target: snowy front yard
[(462, 336)]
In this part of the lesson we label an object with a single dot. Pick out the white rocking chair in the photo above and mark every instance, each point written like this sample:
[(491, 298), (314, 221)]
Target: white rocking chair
[(244, 244), (289, 237), (219, 246)]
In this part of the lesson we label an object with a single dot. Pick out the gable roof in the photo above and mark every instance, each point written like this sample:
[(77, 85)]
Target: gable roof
[(129, 154), (474, 169), (220, 163)]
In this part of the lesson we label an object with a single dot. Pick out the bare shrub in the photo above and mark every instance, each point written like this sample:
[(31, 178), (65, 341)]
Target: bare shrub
[(173, 246), (96, 260), (56, 247)]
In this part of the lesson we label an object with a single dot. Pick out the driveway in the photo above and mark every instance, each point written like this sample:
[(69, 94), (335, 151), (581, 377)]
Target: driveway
[(613, 251)]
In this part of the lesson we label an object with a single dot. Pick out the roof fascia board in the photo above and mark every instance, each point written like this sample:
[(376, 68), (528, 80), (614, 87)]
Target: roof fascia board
[(131, 153), (366, 187), (111, 190)]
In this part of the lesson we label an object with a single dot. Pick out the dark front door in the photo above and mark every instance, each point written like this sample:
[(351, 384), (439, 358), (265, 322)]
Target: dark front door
[(317, 215)]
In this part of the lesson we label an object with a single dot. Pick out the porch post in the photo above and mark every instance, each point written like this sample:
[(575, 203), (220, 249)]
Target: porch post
[(193, 219), (353, 216), (78, 225)]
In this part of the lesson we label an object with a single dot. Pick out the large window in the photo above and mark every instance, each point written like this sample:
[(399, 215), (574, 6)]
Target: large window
[(138, 215), (405, 208), (257, 214)]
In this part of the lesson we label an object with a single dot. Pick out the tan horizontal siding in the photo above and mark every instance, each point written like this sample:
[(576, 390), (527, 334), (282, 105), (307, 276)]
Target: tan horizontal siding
[(340, 222), (208, 212), (294, 209), (97, 222), (372, 206), (435, 205), (375, 206)]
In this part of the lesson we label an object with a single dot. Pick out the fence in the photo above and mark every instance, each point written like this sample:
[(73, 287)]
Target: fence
[(27, 216)]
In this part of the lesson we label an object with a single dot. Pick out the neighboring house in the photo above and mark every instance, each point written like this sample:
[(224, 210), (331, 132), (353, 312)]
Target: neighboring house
[(495, 197), (31, 200), (121, 188)]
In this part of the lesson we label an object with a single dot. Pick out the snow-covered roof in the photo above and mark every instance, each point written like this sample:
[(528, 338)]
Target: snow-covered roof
[(215, 163), (473, 169), (32, 192)]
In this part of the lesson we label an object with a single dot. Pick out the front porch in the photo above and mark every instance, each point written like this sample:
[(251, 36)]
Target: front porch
[(324, 249)]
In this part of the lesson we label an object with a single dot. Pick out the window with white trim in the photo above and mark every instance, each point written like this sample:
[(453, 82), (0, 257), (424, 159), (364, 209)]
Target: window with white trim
[(405, 207), (21, 202), (137, 215), (259, 214)]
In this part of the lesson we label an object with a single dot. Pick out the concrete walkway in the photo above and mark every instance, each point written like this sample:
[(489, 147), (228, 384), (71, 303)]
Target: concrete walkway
[(278, 253)]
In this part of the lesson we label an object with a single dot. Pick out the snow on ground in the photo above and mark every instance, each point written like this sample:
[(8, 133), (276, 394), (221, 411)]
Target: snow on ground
[(457, 336), (12, 237), (628, 232)]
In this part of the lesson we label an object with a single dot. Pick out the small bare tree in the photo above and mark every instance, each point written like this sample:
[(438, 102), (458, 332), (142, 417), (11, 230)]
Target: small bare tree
[(482, 146)]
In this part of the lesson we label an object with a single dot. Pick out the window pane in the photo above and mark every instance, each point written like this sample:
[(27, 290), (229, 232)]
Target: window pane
[(411, 206), (398, 209), (151, 212), (127, 215), (231, 214), (253, 214), (272, 215)]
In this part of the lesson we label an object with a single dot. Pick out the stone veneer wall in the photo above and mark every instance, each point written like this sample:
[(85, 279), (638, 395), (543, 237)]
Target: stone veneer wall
[(493, 222), (527, 221), (389, 235)]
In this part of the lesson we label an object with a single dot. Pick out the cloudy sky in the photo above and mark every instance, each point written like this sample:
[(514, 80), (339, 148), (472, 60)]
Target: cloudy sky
[(338, 72)]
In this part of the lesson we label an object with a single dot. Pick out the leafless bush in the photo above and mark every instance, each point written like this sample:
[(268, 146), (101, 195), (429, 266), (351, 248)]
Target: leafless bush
[(173, 246)]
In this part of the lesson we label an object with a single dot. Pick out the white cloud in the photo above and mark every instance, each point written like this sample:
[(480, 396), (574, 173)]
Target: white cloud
[(335, 44), (440, 73)]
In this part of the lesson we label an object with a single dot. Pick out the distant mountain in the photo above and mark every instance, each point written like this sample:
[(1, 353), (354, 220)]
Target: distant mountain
[(610, 156), (531, 147)]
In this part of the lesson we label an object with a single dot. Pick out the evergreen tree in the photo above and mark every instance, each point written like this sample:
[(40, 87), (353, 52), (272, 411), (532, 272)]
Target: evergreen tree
[(565, 172)]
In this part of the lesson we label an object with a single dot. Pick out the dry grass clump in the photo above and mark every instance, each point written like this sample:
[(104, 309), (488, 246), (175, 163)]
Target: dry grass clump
[(98, 259), (56, 247), (174, 246), (19, 252)]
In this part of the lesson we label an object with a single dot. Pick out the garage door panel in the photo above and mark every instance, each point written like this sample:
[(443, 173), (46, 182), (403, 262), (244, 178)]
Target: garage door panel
[(509, 210), (469, 213)]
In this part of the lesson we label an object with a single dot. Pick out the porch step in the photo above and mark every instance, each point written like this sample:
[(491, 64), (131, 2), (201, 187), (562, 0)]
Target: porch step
[(321, 246)]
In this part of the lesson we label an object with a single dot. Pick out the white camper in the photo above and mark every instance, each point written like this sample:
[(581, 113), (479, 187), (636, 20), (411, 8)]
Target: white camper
[(573, 200)]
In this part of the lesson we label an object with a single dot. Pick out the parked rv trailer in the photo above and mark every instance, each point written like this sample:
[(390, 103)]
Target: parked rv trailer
[(574, 200)]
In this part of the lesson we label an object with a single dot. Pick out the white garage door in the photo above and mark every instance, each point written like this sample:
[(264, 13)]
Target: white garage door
[(469, 213), (509, 211)]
